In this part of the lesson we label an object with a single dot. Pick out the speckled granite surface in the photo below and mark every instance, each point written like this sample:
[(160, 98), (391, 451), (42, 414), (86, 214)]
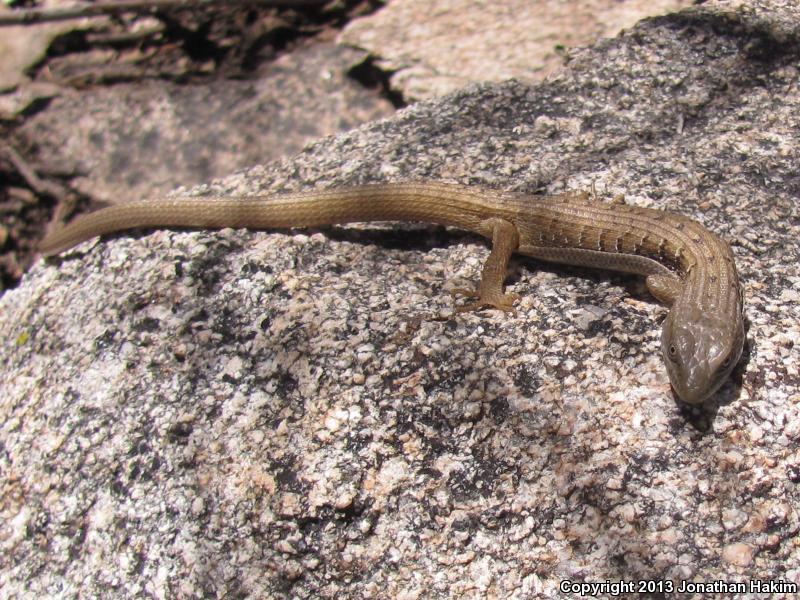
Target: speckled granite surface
[(259, 414)]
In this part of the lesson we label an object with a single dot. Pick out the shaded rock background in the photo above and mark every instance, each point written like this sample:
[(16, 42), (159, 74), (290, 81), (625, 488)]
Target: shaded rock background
[(121, 107), (139, 139), (298, 415)]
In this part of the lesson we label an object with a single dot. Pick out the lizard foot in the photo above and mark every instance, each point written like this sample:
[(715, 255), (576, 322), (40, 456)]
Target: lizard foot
[(497, 300)]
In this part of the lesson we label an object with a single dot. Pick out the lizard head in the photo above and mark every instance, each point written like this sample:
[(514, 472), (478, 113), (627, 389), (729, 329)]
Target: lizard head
[(700, 347)]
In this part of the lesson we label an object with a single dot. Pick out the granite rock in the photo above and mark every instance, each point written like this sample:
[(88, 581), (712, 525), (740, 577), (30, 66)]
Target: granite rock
[(300, 415), (432, 47)]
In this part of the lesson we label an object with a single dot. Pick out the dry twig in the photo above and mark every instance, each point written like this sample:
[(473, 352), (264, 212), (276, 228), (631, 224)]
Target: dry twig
[(28, 173), (40, 15)]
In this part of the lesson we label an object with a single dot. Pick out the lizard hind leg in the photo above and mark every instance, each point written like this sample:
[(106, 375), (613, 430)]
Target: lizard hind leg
[(505, 241)]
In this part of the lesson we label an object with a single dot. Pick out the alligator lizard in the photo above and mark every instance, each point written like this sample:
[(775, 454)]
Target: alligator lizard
[(686, 266)]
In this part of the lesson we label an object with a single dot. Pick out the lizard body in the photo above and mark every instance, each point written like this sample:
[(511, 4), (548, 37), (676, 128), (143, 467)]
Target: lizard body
[(686, 266)]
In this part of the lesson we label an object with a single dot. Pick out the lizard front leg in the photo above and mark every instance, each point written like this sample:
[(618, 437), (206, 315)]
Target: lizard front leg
[(664, 288), (505, 241)]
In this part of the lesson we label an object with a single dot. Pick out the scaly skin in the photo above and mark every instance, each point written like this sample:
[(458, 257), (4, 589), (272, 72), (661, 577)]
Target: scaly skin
[(687, 267)]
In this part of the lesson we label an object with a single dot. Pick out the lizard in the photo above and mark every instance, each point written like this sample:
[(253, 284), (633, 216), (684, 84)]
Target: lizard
[(686, 266)]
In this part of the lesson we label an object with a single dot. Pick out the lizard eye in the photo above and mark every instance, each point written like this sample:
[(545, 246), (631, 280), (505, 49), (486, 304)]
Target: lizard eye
[(673, 351), (726, 363)]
